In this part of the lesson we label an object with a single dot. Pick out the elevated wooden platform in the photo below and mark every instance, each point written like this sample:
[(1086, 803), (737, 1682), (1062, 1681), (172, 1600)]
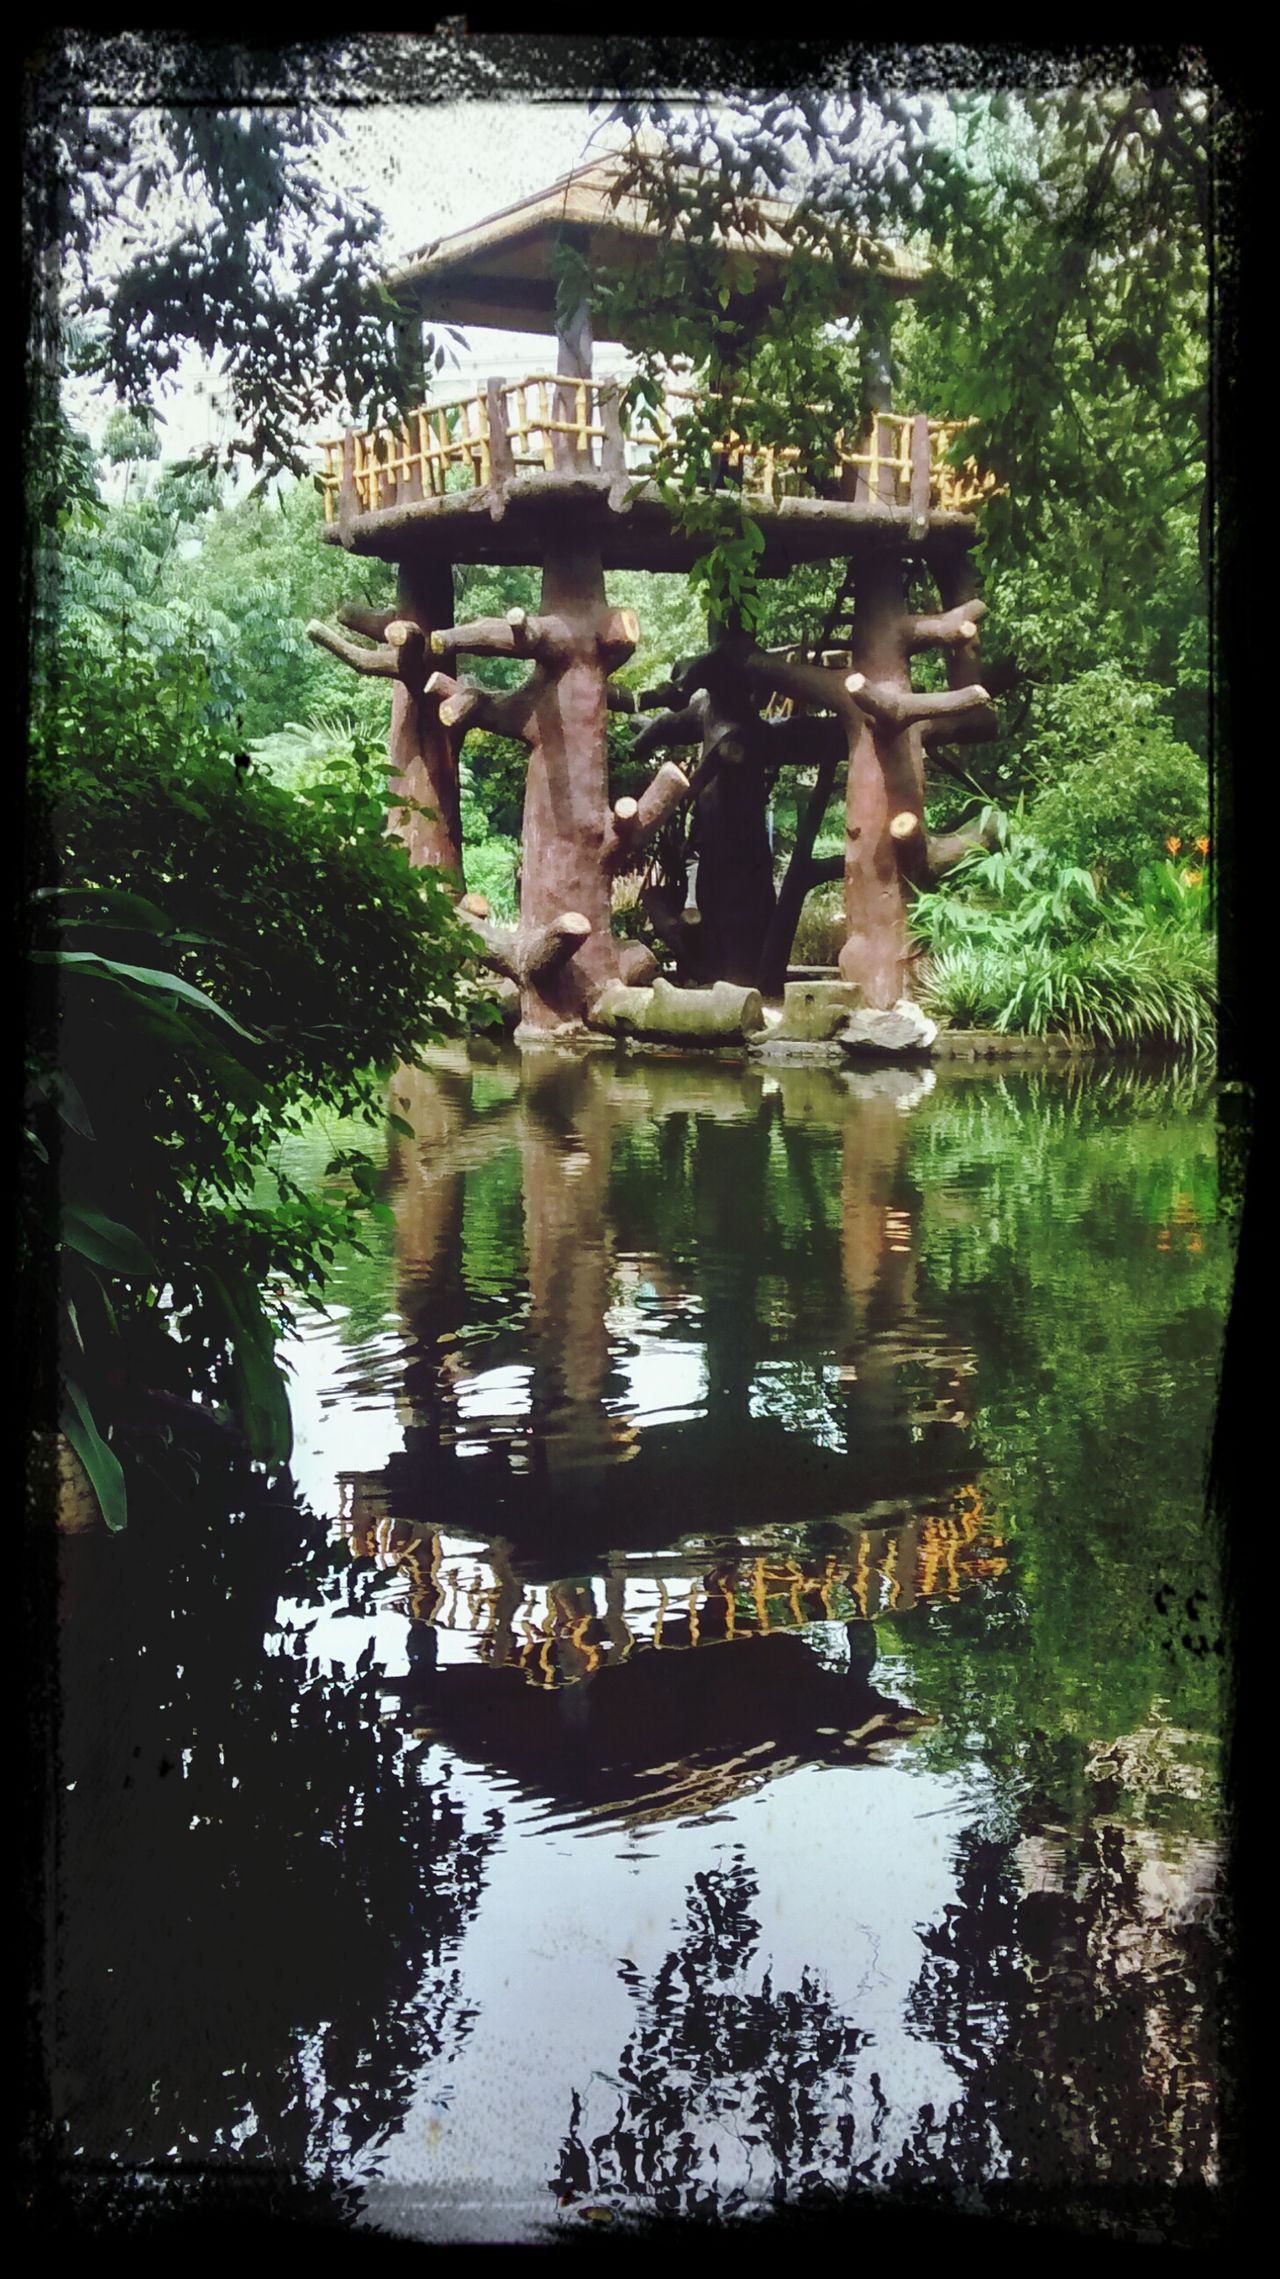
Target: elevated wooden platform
[(508, 524), (475, 480)]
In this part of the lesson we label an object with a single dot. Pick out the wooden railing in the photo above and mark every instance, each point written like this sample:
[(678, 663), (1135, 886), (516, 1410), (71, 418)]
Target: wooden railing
[(555, 1637), (555, 423)]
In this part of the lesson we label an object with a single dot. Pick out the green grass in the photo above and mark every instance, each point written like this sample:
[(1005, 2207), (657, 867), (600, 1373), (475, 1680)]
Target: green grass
[(1144, 986)]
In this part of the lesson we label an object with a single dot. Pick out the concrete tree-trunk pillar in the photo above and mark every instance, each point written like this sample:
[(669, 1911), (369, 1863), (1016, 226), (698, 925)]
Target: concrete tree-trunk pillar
[(566, 798), (398, 645), (563, 951), (573, 359), (888, 725), (420, 748), (736, 897), (885, 779)]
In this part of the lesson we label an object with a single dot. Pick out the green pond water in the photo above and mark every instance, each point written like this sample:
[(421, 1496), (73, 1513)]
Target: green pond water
[(726, 1710)]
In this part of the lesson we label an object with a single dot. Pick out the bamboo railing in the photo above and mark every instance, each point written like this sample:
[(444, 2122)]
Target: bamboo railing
[(551, 422), (555, 1639)]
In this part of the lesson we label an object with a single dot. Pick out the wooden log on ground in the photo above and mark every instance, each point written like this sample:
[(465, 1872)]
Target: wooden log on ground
[(723, 1014)]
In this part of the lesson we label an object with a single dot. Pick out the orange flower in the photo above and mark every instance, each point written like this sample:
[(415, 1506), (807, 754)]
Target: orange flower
[(1192, 877), (1202, 846), (1173, 845)]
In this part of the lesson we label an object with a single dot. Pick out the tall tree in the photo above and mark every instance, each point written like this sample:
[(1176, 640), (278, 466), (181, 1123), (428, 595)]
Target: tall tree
[(178, 197)]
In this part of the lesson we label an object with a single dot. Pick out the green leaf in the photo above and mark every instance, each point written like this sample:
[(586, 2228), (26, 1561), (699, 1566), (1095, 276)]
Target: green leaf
[(259, 1398), (125, 906), (107, 1243), (101, 1463), (399, 1124), (148, 977)]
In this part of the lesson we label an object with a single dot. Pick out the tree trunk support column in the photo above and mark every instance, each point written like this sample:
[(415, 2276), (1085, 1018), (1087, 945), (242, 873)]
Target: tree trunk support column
[(563, 950), (423, 754), (885, 778)]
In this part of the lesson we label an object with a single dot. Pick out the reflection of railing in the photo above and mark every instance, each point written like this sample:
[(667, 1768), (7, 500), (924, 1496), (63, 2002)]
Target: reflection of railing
[(551, 421), (556, 1634)]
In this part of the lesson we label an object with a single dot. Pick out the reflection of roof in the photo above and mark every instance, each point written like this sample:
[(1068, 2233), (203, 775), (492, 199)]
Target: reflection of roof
[(501, 272)]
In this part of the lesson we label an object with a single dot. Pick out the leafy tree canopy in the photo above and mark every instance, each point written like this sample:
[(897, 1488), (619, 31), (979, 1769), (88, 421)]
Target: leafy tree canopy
[(1061, 243), (218, 227)]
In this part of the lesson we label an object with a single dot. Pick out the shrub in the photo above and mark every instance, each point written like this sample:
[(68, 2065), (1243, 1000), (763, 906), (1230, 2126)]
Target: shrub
[(819, 937), (228, 955), (490, 867), (1115, 783), (1139, 986)]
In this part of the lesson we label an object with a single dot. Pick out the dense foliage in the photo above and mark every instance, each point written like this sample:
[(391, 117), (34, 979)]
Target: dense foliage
[(217, 958), (1025, 939), (199, 223), (1075, 230)]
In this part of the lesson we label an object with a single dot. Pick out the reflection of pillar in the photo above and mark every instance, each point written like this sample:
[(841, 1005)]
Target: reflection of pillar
[(572, 1607), (875, 1237), (508, 1598), (566, 1139), (615, 1610), (428, 1187), (879, 1270), (730, 1182)]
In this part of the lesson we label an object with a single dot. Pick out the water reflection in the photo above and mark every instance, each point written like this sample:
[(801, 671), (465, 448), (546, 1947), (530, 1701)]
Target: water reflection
[(700, 1445), (748, 1734), (260, 1894), (1074, 1982)]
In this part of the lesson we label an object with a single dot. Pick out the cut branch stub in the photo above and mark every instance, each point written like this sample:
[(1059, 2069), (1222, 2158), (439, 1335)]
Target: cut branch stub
[(634, 820), (525, 954), (979, 725), (637, 964), (358, 618), (510, 636), (953, 628), (912, 708), (951, 847), (464, 704), (382, 661), (541, 951)]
